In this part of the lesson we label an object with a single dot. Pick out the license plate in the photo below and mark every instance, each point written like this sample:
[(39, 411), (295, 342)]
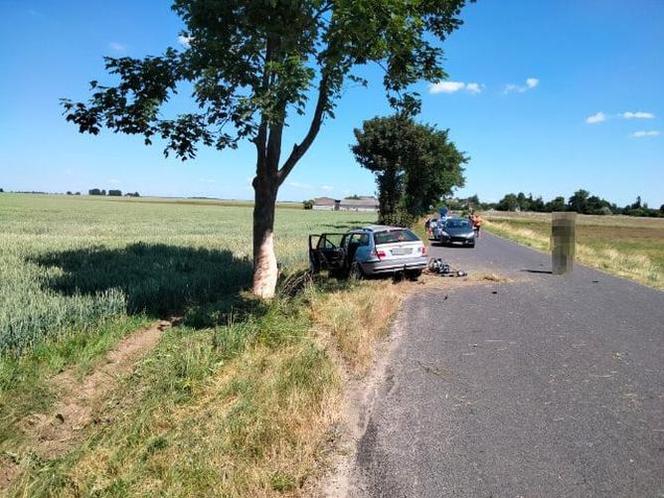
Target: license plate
[(400, 251)]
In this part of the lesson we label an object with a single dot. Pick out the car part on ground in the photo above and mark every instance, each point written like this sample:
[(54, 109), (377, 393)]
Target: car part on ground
[(439, 267)]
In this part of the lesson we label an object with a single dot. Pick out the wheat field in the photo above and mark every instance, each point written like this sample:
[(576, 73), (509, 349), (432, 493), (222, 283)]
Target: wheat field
[(246, 390), (68, 263)]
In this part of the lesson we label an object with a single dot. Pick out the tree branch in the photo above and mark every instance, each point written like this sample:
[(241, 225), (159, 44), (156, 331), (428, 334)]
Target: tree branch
[(260, 140), (316, 121), (324, 9)]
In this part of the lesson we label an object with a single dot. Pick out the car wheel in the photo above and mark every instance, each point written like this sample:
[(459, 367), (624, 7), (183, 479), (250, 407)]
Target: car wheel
[(355, 272)]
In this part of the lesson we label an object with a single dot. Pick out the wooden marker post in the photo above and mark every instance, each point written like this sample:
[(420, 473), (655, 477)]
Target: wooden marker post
[(563, 242)]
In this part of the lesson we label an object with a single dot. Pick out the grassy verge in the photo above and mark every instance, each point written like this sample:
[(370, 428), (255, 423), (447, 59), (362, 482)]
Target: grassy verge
[(242, 408), (24, 386), (236, 401), (632, 249), (419, 229)]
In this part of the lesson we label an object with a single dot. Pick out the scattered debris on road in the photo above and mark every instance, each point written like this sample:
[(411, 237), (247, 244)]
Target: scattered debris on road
[(438, 266)]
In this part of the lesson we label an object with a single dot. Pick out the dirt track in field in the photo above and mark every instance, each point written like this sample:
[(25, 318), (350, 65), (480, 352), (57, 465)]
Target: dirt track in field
[(53, 433)]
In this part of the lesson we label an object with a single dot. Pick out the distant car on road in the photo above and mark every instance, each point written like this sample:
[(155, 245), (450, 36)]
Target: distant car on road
[(371, 250), (457, 231)]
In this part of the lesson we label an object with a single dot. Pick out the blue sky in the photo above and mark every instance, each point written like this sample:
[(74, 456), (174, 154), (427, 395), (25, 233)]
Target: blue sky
[(544, 96)]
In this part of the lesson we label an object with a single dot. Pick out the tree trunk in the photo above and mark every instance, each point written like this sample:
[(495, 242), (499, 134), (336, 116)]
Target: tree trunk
[(265, 260), (266, 185)]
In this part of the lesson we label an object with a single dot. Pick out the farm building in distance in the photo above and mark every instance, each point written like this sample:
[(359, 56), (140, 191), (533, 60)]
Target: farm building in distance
[(363, 203)]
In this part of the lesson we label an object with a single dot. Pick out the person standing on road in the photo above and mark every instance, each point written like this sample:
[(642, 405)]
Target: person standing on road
[(427, 226), (476, 220)]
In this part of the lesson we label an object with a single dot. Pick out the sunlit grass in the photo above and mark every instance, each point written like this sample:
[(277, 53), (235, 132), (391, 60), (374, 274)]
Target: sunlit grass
[(72, 262), (629, 247), (237, 401)]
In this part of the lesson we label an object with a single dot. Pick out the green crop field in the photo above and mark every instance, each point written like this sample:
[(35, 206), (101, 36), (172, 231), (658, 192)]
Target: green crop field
[(246, 390), (69, 263), (626, 246)]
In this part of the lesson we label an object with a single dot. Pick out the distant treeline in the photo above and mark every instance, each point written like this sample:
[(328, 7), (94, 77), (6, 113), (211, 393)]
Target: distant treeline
[(581, 202), (111, 193), (93, 191)]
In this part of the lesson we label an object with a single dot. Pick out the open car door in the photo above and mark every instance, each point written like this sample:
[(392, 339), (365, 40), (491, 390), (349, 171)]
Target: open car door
[(326, 252)]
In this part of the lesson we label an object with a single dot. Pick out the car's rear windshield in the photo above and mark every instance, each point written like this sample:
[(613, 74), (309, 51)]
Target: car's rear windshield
[(458, 224), (393, 236)]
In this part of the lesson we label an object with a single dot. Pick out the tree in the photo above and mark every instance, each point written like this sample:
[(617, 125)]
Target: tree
[(1, 191), (523, 202), (556, 204), (434, 169), (596, 205), (474, 202), (537, 204), (379, 149), (251, 65), (508, 203), (415, 164), (115, 193), (578, 201), (95, 191)]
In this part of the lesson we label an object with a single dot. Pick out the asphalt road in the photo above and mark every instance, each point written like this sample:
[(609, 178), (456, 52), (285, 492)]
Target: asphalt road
[(542, 386)]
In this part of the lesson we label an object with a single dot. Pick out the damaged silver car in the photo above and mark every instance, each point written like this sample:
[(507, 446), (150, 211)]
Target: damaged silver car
[(371, 250)]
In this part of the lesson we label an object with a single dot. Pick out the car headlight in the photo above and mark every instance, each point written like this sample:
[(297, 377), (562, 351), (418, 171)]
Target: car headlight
[(444, 233), (470, 235)]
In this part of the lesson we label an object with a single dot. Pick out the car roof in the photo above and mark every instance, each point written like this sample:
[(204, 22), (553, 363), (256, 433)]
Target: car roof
[(381, 228)]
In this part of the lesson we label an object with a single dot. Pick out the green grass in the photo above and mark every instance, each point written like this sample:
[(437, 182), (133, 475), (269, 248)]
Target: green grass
[(72, 262), (235, 402), (625, 246), (208, 413)]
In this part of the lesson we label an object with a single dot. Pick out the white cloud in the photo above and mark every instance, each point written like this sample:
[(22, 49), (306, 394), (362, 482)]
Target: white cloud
[(185, 41), (454, 86), (474, 88), (638, 115), (114, 181), (530, 84), (599, 117), (649, 133), (446, 87), (326, 188), (117, 47)]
